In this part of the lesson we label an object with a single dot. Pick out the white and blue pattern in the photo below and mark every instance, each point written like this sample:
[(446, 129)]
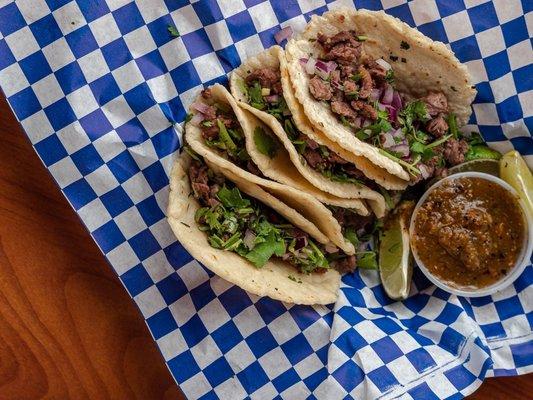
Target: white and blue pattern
[(100, 87)]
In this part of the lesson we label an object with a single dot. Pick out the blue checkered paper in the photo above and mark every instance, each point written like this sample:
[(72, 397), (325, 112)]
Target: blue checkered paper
[(100, 87)]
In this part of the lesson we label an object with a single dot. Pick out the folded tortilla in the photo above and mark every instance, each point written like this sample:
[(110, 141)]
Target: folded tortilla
[(277, 168), (304, 202), (429, 66), (272, 279)]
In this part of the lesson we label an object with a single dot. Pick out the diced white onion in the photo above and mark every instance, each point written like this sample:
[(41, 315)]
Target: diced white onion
[(265, 91), (387, 141), (310, 66), (383, 63), (197, 118)]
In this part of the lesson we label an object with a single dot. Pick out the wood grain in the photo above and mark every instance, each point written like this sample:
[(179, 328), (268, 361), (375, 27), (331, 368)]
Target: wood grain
[(68, 329)]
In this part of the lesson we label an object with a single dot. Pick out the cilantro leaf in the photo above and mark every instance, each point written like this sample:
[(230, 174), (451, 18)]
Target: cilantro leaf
[(351, 236), (232, 198), (265, 143), (256, 98), (262, 252), (367, 260), (173, 31)]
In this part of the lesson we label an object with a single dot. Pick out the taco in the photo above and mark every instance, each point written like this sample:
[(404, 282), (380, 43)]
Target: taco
[(216, 131), (248, 237), (403, 117), (261, 86)]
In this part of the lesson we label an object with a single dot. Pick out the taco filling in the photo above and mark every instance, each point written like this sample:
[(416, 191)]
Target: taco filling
[(222, 131), (264, 92), (421, 135), (358, 230), (236, 222)]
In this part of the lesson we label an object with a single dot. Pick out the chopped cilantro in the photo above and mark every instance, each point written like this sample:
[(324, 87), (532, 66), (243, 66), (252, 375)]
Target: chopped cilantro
[(351, 236), (389, 76), (388, 199), (356, 77), (452, 124), (173, 31), (367, 260), (265, 143), (191, 152), (256, 97), (232, 198), (262, 252), (361, 38), (188, 117)]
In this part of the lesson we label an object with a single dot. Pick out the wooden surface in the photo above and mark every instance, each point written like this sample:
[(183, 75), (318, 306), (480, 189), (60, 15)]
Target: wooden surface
[(68, 329)]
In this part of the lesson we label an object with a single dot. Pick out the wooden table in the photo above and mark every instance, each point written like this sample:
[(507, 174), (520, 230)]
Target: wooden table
[(68, 329)]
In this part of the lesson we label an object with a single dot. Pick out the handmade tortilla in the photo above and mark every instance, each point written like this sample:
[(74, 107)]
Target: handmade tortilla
[(271, 280)]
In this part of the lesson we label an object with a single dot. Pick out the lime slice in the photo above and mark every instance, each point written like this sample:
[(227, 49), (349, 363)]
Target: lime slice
[(514, 171), (489, 166), (395, 261)]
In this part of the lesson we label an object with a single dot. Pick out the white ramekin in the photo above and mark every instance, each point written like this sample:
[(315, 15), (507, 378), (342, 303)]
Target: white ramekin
[(522, 261)]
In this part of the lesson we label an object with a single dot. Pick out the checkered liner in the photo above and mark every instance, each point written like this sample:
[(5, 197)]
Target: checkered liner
[(100, 88)]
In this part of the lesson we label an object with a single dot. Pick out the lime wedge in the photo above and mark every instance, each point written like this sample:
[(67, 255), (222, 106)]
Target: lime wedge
[(395, 260), (514, 171), (489, 166)]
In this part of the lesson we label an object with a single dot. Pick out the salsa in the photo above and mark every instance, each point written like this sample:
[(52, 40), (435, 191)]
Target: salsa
[(469, 232)]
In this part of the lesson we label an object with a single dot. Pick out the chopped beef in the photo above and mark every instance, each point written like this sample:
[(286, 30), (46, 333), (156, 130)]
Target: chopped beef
[(350, 86), (266, 77), (298, 233), (343, 109), (376, 71), (352, 170), (277, 88), (313, 158), (201, 192), (347, 71), (342, 47), (338, 95), (436, 103), (455, 150), (365, 109), (228, 122), (200, 184), (335, 77), (310, 142), (206, 93), (441, 172), (366, 83), (211, 132), (210, 114), (334, 158), (198, 172), (344, 53), (348, 218), (346, 264), (328, 42), (252, 168), (437, 126), (320, 89)]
